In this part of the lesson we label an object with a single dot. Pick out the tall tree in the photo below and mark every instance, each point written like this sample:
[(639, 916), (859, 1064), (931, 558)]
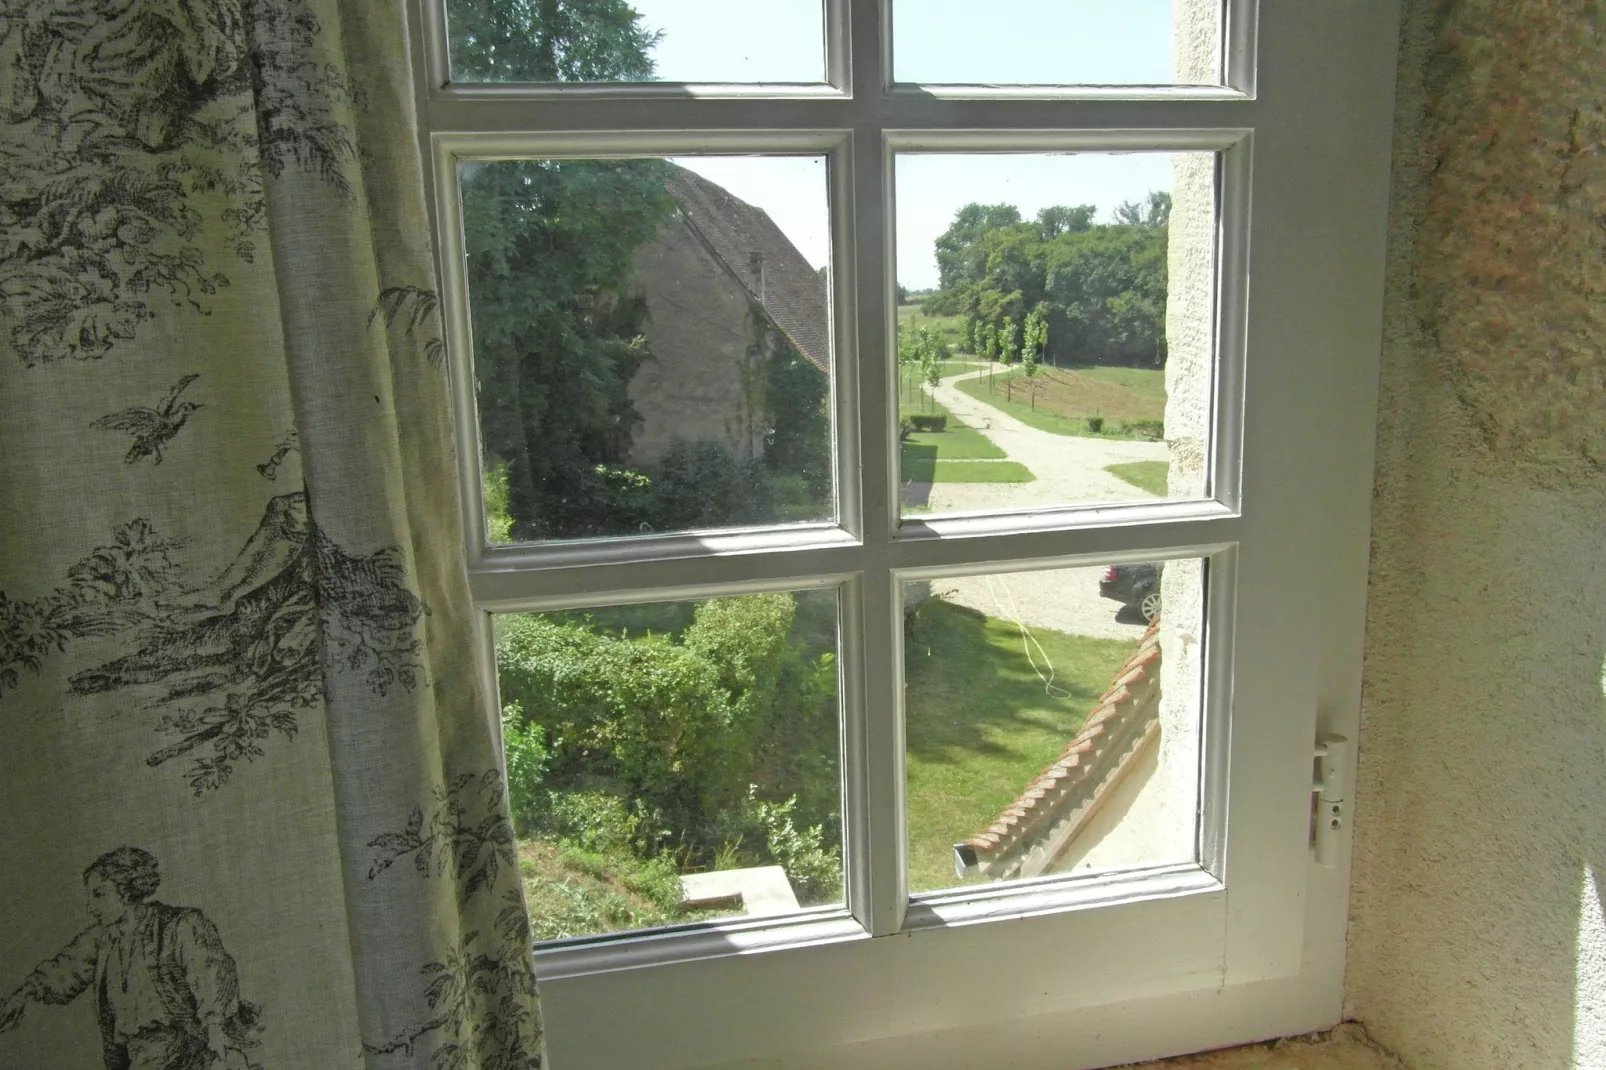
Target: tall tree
[(1060, 219), (549, 41), (550, 247), (970, 223)]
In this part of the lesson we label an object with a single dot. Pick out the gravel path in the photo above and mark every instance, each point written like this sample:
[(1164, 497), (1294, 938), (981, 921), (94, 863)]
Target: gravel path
[(1066, 470)]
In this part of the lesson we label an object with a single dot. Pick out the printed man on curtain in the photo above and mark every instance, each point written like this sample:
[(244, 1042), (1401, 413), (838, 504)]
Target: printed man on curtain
[(166, 991)]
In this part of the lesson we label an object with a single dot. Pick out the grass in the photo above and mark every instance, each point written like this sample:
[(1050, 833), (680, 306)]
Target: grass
[(1144, 475), (980, 726), (574, 892), (918, 471), (960, 454), (911, 315), (1066, 397), (959, 442), (980, 723)]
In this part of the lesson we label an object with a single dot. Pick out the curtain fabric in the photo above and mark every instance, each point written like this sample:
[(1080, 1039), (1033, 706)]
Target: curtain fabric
[(250, 801)]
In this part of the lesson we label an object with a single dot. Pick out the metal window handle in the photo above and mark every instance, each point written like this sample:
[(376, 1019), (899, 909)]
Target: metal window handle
[(1332, 808)]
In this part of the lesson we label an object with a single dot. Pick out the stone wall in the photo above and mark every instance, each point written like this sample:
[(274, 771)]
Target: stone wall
[(698, 384), (1477, 938)]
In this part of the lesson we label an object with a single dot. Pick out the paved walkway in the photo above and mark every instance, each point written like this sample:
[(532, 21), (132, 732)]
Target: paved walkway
[(1067, 470)]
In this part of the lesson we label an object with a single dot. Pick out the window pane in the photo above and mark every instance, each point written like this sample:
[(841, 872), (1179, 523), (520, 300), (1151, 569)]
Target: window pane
[(636, 41), (1056, 340), (1057, 42), (652, 343), (673, 762), (1053, 721)]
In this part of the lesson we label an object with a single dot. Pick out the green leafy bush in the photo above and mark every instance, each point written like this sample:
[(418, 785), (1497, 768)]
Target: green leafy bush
[(813, 868), (524, 748), (1154, 429), (1095, 424), (622, 740), (919, 422), (702, 484)]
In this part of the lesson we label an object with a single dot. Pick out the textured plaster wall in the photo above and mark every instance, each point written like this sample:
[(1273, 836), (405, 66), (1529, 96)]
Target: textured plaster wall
[(1477, 939)]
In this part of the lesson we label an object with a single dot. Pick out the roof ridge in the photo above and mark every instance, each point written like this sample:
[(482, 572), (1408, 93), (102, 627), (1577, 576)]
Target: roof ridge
[(762, 259)]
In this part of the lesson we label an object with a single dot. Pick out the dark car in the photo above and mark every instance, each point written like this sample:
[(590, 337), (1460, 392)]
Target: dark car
[(1137, 586)]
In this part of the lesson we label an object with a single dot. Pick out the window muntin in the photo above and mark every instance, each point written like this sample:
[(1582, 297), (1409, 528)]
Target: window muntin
[(1059, 670), (1033, 368), (652, 351), (1317, 239)]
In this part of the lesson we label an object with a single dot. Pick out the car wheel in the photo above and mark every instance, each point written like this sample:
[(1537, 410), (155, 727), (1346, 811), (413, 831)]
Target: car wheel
[(1149, 606)]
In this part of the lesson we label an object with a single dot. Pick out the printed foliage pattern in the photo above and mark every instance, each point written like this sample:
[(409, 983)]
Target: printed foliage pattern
[(231, 661), (114, 120), (414, 308), (486, 980)]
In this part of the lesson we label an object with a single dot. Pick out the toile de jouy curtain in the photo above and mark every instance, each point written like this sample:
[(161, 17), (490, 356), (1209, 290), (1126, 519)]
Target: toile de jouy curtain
[(250, 809)]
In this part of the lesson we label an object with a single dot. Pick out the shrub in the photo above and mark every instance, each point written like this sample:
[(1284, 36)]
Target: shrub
[(524, 746), (684, 725), (703, 485), (597, 821), (1095, 424), (814, 869), (927, 423), (1150, 429)]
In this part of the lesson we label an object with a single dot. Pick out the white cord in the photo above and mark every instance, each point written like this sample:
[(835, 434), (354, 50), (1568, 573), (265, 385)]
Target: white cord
[(1027, 639)]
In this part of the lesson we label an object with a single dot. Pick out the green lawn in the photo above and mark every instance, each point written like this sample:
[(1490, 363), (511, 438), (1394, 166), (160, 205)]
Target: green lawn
[(914, 400), (1065, 399), (957, 442), (918, 469), (910, 315), (959, 454), (980, 723), (1144, 475)]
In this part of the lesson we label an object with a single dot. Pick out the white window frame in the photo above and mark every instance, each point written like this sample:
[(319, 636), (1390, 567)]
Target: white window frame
[(1249, 941)]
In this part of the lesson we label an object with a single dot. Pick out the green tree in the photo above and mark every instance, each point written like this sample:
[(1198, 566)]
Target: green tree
[(550, 246), (1154, 211), (1061, 219), (549, 41), (1100, 289), (955, 248)]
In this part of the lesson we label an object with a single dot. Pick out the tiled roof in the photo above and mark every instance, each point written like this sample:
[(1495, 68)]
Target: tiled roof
[(762, 258), (1056, 805)]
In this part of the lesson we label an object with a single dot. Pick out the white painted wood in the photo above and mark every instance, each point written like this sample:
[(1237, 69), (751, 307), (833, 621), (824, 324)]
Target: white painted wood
[(1053, 973)]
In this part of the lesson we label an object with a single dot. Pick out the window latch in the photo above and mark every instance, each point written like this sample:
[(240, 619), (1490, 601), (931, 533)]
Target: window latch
[(1331, 809)]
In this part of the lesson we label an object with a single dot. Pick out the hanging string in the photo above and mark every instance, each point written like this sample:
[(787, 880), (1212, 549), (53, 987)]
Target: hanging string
[(1027, 639)]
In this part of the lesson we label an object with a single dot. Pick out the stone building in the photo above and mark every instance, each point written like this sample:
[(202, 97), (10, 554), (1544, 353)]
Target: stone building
[(723, 286)]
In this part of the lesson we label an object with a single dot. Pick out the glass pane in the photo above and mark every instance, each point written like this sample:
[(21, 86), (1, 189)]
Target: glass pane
[(636, 41), (1058, 42), (1053, 721), (652, 343), (673, 762), (1056, 328)]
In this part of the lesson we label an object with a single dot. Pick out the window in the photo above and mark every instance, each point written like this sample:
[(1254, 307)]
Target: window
[(920, 520)]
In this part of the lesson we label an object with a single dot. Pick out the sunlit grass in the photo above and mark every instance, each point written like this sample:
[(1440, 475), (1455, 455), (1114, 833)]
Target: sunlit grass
[(1144, 475), (981, 724)]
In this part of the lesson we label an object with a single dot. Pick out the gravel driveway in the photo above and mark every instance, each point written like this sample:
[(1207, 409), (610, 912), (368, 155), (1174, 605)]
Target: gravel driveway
[(1066, 470)]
